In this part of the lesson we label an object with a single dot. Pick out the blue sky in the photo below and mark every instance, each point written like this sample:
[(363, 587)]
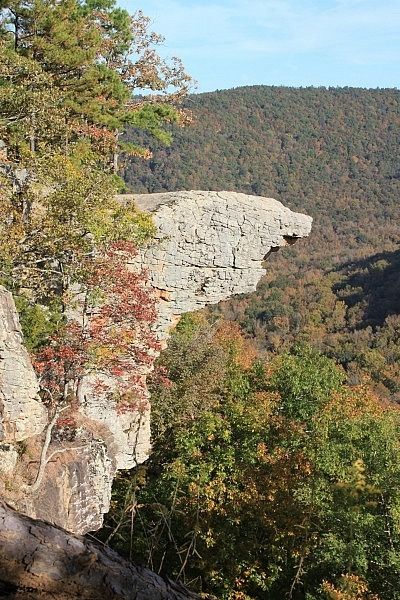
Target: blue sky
[(225, 44)]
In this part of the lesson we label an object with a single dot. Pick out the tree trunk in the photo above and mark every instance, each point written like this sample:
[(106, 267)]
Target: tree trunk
[(16, 32), (32, 135), (116, 153), (41, 561)]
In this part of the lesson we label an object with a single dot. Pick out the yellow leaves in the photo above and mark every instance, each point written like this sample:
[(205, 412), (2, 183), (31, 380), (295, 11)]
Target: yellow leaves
[(230, 337), (356, 402), (215, 495), (359, 475), (356, 484), (194, 488), (235, 595), (100, 354), (196, 454), (262, 451), (307, 469), (260, 408), (209, 538), (178, 469), (266, 400), (349, 587)]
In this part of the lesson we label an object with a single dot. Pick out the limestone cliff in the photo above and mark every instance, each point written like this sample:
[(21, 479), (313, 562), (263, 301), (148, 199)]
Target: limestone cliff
[(22, 414), (208, 247), (211, 245)]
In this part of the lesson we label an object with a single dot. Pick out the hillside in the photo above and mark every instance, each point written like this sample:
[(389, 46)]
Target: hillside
[(332, 153)]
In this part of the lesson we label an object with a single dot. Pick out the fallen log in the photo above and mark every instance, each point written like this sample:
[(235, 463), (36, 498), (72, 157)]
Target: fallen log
[(41, 561)]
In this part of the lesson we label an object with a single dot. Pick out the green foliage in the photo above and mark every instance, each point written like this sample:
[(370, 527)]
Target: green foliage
[(305, 381), (189, 380), (84, 61), (28, 98), (72, 210), (278, 482), (38, 322)]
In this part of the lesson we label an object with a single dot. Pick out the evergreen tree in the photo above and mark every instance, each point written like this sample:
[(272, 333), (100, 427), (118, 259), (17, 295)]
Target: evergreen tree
[(70, 72), (95, 57)]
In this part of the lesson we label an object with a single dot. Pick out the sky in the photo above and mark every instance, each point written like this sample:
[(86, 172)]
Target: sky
[(225, 44)]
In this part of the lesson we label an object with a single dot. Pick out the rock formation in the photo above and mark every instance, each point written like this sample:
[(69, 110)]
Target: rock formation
[(208, 247), (40, 561), (211, 246), (22, 414)]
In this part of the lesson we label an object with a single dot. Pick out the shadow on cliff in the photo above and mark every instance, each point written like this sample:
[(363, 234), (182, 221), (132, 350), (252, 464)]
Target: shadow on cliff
[(372, 284), (47, 590), (8, 591)]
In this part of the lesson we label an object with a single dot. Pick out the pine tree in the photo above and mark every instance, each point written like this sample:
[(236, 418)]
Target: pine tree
[(70, 75)]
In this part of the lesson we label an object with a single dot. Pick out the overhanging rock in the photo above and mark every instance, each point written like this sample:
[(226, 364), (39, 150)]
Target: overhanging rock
[(211, 246)]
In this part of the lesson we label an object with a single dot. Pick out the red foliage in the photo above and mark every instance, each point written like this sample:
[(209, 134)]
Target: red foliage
[(160, 377), (113, 339), (66, 422)]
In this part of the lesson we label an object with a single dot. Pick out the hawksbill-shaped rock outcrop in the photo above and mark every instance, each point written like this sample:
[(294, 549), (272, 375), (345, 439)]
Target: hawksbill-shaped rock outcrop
[(208, 246), (211, 246)]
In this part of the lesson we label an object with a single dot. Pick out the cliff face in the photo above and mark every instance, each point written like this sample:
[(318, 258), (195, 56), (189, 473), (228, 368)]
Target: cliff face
[(209, 246), (22, 414)]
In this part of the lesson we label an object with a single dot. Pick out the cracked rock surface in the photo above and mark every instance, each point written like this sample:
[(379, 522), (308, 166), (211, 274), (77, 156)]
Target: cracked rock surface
[(22, 413), (211, 246), (42, 562)]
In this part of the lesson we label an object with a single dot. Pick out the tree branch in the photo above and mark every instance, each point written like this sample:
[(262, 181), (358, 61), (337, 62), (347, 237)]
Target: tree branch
[(43, 460)]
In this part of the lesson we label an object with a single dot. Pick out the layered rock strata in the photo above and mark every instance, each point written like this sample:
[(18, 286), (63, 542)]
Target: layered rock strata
[(22, 414), (208, 247), (211, 246)]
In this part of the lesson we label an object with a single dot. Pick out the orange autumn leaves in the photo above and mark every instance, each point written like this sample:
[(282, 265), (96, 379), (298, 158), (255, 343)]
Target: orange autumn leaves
[(275, 477)]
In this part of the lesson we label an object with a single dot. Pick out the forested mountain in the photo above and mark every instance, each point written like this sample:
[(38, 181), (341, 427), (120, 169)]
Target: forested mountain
[(332, 153)]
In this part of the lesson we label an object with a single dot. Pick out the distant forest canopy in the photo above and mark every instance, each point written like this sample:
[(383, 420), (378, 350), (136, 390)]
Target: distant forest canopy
[(334, 154), (330, 152)]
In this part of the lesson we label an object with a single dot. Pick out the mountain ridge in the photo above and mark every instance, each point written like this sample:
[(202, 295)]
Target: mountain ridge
[(332, 153)]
